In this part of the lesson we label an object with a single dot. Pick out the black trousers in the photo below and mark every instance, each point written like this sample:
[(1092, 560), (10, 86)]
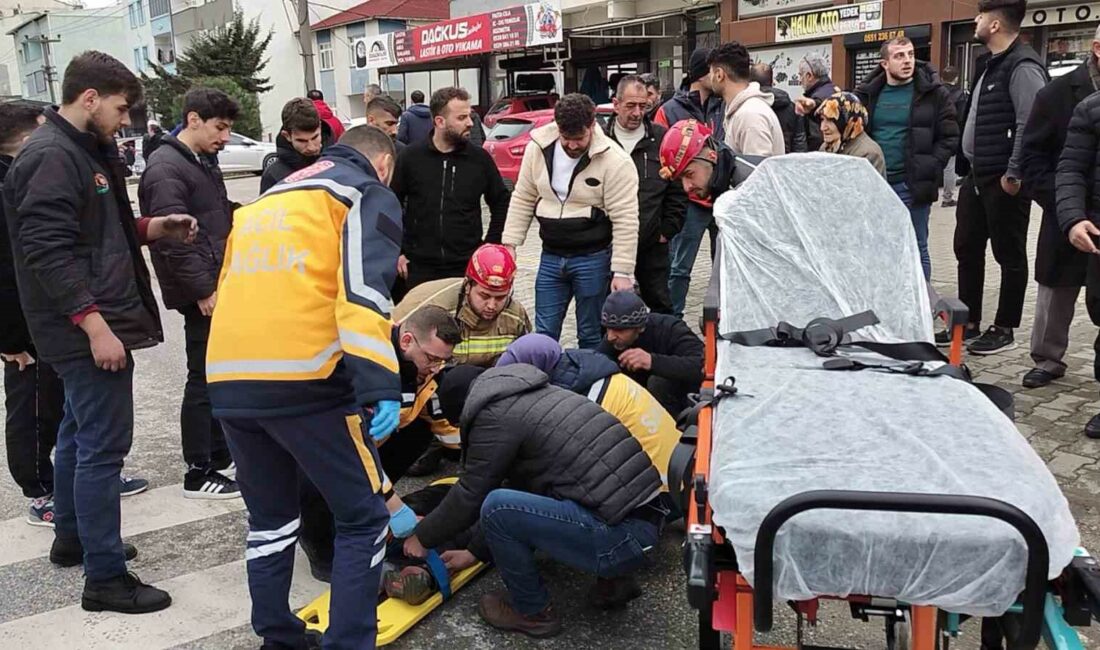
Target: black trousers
[(651, 274), (317, 534), (419, 273), (986, 214), (202, 435), (1092, 304), (671, 394), (35, 403)]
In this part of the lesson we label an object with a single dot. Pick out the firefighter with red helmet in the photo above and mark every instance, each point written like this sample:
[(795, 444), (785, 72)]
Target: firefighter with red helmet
[(488, 315), (705, 165)]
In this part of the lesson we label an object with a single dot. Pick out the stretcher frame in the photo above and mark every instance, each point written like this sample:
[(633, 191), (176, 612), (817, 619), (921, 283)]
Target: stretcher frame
[(395, 616), (726, 602)]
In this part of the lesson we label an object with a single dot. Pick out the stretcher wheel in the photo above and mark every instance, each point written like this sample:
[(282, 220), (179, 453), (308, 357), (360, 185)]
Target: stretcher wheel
[(898, 633)]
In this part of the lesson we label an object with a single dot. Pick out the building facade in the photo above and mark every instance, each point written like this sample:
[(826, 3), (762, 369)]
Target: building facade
[(12, 14)]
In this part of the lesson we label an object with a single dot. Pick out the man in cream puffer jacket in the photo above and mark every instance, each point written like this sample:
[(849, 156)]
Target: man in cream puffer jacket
[(583, 189)]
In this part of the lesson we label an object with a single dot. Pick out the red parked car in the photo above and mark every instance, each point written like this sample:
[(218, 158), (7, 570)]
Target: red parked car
[(509, 106), (508, 138)]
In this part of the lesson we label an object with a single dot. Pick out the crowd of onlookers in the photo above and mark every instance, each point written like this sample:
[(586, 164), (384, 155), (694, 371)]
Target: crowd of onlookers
[(357, 323)]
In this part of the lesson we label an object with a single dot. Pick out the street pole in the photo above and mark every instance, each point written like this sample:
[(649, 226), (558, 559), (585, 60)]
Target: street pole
[(47, 65), (305, 42)]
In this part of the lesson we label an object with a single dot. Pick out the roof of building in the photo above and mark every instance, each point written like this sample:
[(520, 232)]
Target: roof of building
[(394, 9)]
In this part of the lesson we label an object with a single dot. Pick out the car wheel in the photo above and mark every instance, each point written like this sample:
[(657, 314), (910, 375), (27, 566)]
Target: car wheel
[(269, 160)]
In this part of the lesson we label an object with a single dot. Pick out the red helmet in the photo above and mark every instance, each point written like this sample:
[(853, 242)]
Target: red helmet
[(682, 144), (493, 267)]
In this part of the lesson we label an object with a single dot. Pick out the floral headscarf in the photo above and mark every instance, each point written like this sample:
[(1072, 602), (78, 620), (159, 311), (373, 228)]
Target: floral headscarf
[(847, 112)]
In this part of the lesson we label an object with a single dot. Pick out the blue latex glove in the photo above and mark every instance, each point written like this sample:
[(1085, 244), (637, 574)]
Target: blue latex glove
[(403, 522), (386, 415)]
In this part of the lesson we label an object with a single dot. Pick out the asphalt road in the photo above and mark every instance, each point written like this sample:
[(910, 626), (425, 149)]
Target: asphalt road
[(195, 549)]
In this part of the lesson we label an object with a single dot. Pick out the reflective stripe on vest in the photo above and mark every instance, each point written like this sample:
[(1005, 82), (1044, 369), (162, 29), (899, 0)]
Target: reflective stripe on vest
[(274, 366)]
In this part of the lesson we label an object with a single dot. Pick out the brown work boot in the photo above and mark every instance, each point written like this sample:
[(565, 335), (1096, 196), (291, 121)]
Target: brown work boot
[(498, 612), (613, 593)]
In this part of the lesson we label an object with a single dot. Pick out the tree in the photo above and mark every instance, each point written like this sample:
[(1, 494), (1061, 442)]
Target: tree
[(235, 50)]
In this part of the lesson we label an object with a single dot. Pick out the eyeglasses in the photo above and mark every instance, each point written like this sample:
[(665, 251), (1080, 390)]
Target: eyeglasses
[(435, 361)]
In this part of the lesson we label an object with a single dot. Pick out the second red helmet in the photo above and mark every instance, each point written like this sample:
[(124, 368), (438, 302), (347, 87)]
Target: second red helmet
[(683, 143), (493, 267)]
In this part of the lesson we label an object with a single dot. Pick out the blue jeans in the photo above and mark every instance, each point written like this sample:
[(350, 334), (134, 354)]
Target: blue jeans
[(333, 449), (93, 440), (682, 251), (919, 215), (559, 280), (516, 524)]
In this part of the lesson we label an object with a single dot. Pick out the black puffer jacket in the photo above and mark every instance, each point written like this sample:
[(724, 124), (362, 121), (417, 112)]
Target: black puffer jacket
[(14, 337), (545, 440), (933, 129), (176, 182), (1078, 181), (794, 131)]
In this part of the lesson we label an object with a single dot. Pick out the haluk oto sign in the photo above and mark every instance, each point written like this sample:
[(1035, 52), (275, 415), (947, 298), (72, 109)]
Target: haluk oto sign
[(537, 23), (826, 23)]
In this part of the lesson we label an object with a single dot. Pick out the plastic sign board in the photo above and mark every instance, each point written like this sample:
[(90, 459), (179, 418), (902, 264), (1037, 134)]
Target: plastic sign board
[(826, 23), (1078, 12), (533, 24)]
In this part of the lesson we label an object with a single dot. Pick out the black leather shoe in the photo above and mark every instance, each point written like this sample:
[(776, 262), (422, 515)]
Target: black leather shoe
[(68, 553), (428, 463), (125, 594), (1037, 378), (1092, 429)]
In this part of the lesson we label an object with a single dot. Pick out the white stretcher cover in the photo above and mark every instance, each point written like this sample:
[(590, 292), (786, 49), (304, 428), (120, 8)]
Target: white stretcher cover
[(816, 235)]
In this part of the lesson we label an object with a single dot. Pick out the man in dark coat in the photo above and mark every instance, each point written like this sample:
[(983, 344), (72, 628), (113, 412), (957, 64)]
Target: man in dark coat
[(1059, 267), (659, 352), (1077, 188), (580, 488), (813, 73), (794, 131), (88, 303), (661, 203), (911, 116), (416, 123), (300, 142), (179, 178)]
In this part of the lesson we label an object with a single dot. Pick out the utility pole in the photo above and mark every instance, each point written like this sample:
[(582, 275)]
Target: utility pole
[(47, 64), (305, 42)]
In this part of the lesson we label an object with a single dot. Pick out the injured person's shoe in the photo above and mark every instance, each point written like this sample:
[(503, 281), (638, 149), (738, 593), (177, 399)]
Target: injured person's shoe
[(412, 584), (428, 463), (498, 612), (613, 593)]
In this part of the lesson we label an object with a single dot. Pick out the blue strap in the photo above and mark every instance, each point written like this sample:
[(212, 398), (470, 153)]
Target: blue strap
[(439, 572)]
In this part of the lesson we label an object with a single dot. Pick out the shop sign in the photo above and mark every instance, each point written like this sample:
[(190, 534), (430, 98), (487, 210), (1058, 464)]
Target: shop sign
[(749, 8), (537, 23), (826, 23), (916, 33), (1078, 12)]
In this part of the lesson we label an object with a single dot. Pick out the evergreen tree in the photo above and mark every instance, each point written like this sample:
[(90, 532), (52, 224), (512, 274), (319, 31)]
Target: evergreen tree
[(235, 50)]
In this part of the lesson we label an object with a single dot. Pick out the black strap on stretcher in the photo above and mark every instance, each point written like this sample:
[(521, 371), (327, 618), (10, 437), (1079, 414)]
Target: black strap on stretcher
[(682, 463), (827, 337)]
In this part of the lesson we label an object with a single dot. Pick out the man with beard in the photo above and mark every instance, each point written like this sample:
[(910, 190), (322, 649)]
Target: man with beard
[(658, 351), (705, 165), (661, 203), (441, 181), (179, 178), (913, 119), (88, 302), (384, 113), (300, 141), (583, 189), (992, 209)]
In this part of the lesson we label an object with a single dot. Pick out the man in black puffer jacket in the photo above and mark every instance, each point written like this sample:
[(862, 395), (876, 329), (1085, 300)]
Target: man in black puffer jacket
[(179, 178), (300, 142), (912, 117), (1077, 186), (581, 488)]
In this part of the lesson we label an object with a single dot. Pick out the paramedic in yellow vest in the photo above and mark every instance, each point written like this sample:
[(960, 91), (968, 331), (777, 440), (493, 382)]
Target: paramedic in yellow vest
[(489, 316), (593, 374), (422, 345), (304, 379)]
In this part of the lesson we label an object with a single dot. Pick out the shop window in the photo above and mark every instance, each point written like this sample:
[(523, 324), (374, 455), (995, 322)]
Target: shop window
[(468, 79)]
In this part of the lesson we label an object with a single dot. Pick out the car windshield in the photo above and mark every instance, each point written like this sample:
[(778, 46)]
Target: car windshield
[(501, 105), (508, 128)]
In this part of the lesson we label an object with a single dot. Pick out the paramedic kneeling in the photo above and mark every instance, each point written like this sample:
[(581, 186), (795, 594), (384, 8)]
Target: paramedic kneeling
[(300, 342), (584, 492)]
